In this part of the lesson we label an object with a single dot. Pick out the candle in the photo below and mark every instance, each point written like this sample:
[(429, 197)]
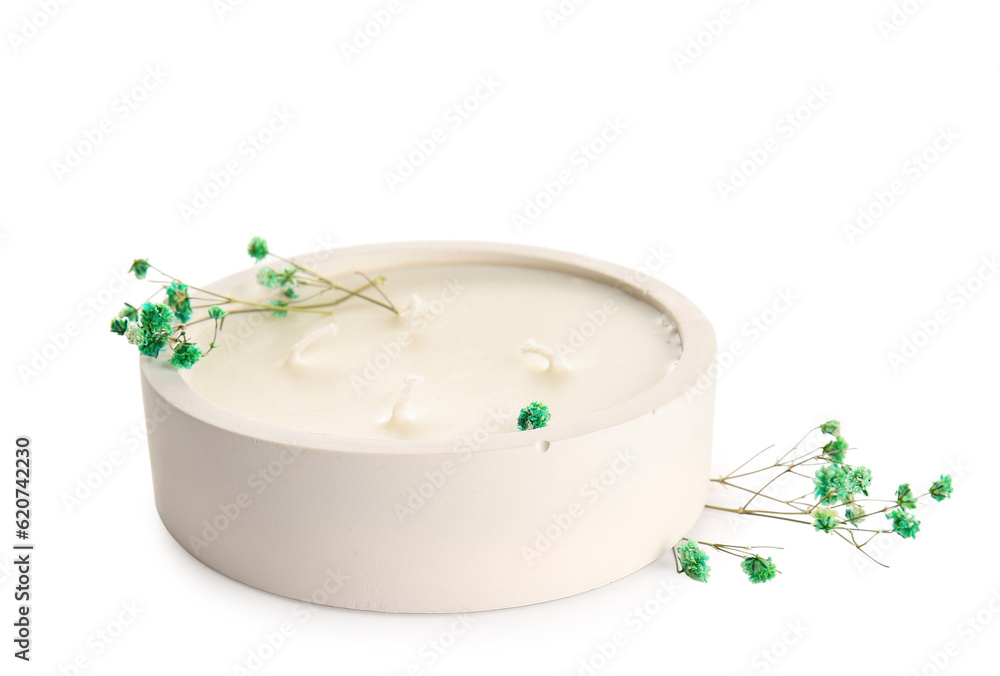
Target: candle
[(469, 342), (385, 447)]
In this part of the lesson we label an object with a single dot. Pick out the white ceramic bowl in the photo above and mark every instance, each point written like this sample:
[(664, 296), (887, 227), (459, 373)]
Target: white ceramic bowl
[(504, 521)]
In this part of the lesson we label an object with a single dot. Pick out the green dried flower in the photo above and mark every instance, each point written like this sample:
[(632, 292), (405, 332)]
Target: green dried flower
[(157, 319), (694, 562), (267, 277), (534, 415), (759, 569), (855, 514), (830, 484), (287, 277), (152, 330), (216, 312), (134, 333), (119, 325), (904, 523), (140, 266), (290, 293), (825, 519), (941, 488), (257, 248), (905, 498), (831, 427), (129, 312), (859, 479), (185, 355), (178, 300), (276, 302), (835, 449)]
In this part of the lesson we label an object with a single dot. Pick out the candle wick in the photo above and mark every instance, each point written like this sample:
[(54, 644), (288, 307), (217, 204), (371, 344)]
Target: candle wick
[(555, 361), (402, 402), (416, 310), (295, 356)]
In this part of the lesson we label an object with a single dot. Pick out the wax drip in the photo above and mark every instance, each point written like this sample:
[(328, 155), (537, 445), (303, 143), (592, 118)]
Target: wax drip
[(532, 346), (295, 356)]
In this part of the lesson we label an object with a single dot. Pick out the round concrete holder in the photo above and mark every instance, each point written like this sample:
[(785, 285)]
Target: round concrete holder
[(497, 521)]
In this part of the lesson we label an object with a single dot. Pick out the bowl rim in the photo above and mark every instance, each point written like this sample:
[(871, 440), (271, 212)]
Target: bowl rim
[(697, 336)]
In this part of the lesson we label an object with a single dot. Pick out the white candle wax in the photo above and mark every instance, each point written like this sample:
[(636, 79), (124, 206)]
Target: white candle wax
[(470, 347)]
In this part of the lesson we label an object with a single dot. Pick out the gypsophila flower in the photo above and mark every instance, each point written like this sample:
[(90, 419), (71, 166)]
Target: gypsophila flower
[(140, 266), (185, 355), (177, 299), (129, 312), (859, 479), (904, 497), (825, 519), (157, 319), (267, 277), (119, 325), (534, 415), (835, 449), (759, 569), (290, 293), (831, 427), (904, 523), (279, 303), (134, 333), (216, 312), (694, 562), (830, 483), (257, 248), (941, 488), (152, 330), (854, 515), (287, 277)]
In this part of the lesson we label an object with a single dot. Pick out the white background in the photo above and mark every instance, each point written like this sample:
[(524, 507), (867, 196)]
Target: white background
[(65, 239)]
